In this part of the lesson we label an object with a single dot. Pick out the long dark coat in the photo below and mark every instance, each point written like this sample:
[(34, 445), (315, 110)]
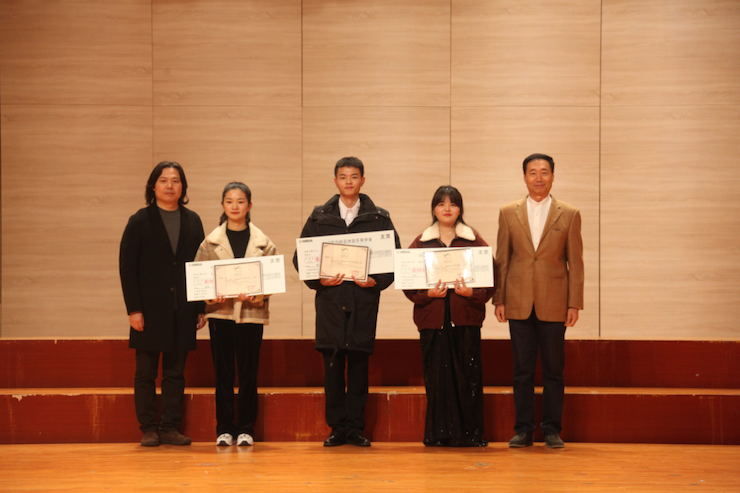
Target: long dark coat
[(335, 329), (153, 280)]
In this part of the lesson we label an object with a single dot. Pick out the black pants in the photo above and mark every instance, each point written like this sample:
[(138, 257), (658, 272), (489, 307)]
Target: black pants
[(527, 336), (345, 409), (235, 349), (173, 388), (453, 377)]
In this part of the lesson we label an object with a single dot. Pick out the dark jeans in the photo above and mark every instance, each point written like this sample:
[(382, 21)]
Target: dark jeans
[(345, 410), (173, 388), (527, 336), (235, 349)]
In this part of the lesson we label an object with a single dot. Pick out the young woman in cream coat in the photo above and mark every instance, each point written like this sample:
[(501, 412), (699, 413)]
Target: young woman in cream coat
[(236, 324)]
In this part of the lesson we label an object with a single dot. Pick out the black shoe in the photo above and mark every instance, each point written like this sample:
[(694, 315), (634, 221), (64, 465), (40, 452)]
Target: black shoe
[(358, 440), (150, 439), (173, 437), (520, 440), (334, 440), (554, 441)]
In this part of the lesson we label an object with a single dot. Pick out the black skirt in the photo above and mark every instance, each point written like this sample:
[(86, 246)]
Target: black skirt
[(453, 377)]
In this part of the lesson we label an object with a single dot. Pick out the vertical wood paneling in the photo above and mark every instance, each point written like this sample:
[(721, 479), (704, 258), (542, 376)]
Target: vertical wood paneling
[(76, 52), (406, 156), (258, 146), (670, 222), (227, 52), (525, 53), (682, 52), (488, 148), (380, 53), (71, 177)]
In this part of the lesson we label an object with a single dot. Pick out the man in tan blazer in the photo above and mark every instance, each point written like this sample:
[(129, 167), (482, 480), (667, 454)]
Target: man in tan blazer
[(539, 256)]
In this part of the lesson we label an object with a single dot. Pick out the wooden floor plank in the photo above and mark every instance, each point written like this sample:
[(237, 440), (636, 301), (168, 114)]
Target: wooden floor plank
[(404, 467)]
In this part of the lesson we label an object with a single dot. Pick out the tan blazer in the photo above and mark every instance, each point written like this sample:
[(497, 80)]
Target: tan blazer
[(550, 279)]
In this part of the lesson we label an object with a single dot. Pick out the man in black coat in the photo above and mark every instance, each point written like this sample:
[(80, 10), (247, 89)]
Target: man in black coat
[(347, 311), (157, 242)]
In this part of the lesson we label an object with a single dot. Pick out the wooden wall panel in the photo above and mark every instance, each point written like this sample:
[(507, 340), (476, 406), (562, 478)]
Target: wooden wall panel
[(670, 222), (380, 53), (671, 53), (71, 177), (258, 146), (227, 52), (406, 156), (76, 52), (525, 53), (488, 148)]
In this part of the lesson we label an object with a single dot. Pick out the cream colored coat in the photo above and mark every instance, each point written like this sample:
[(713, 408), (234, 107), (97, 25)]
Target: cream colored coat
[(549, 279), (216, 246)]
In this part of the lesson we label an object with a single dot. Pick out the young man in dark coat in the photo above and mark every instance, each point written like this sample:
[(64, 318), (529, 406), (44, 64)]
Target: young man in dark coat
[(157, 242), (347, 311)]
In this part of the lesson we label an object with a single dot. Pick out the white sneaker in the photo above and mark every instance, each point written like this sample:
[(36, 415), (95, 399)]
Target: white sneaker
[(244, 439), (225, 440)]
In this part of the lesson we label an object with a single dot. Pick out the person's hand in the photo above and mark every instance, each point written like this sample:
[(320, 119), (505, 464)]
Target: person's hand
[(501, 313), (136, 321), (572, 317), (332, 281), (462, 289), (216, 301), (201, 321), (245, 297), (438, 291), (365, 284)]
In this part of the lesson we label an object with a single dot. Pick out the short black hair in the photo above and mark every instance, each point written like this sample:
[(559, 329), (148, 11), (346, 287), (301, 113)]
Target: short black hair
[(156, 173), (349, 162), (455, 197), (544, 157)]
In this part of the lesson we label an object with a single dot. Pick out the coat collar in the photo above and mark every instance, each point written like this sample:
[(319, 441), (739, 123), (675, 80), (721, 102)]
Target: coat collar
[(521, 213), (461, 231), (218, 237), (156, 218)]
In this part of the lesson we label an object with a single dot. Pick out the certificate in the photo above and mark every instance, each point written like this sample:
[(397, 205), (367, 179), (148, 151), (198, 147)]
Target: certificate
[(200, 277), (382, 244), (350, 260), (233, 279), (449, 265), (411, 272)]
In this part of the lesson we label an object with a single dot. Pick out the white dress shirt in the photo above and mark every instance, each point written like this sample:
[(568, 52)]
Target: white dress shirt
[(537, 217), (348, 213)]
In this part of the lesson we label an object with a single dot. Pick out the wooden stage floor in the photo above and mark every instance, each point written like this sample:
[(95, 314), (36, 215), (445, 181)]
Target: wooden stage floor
[(403, 467)]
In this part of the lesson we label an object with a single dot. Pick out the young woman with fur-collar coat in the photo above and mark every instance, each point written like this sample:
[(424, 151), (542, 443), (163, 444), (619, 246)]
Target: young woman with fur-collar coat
[(449, 321), (236, 324)]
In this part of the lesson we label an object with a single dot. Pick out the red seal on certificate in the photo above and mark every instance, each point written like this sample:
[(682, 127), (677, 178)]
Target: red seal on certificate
[(355, 273), (250, 289)]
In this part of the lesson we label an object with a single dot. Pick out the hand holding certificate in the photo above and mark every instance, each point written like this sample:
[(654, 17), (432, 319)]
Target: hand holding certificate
[(349, 261)]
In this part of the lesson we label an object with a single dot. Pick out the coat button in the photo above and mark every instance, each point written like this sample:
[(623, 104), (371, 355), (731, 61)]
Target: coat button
[(344, 308), (172, 289)]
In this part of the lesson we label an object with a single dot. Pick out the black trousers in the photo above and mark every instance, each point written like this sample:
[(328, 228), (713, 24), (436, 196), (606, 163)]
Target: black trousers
[(173, 388), (527, 336), (345, 408), (236, 350), (453, 378)]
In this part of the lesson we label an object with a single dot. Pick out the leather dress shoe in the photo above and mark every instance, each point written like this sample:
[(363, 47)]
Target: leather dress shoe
[(553, 440), (520, 440), (358, 440), (150, 439), (173, 437), (334, 440)]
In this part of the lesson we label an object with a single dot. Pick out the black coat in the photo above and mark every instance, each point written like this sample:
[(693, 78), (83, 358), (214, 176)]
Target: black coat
[(346, 315), (153, 280)]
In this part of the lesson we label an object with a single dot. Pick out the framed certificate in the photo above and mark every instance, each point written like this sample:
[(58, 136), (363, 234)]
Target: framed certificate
[(350, 260), (449, 265), (244, 277)]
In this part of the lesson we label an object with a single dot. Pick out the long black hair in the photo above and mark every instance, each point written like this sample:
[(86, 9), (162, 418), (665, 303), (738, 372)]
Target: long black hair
[(455, 197), (154, 176), (236, 185)]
